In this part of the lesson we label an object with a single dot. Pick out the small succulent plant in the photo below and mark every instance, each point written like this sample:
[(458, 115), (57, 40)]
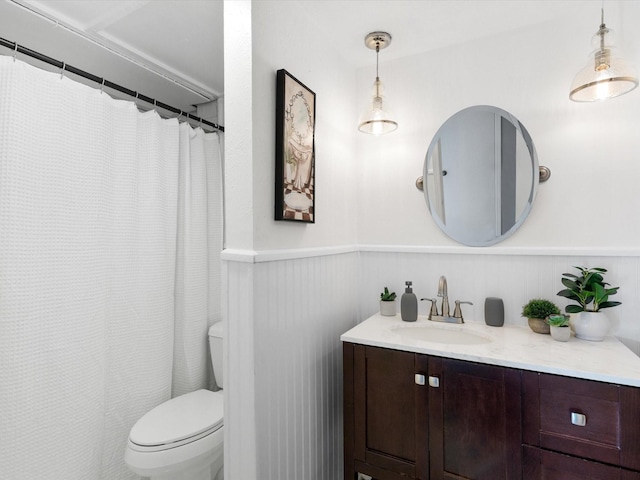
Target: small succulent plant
[(558, 320), (386, 296)]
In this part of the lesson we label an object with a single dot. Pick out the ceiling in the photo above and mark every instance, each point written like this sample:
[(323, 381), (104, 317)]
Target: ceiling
[(417, 26), (172, 50)]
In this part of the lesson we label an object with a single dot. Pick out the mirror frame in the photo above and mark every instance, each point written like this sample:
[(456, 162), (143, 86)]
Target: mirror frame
[(468, 238)]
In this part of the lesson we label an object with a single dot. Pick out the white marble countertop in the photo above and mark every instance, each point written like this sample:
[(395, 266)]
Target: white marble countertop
[(508, 346)]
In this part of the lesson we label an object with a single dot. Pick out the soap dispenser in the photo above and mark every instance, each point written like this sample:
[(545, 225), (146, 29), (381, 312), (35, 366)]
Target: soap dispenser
[(409, 305)]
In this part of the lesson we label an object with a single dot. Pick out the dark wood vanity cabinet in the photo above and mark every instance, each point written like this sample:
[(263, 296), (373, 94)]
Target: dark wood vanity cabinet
[(411, 416), (579, 429)]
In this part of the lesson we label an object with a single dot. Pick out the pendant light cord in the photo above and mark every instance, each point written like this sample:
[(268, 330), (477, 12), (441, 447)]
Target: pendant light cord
[(601, 32), (602, 26), (377, 76)]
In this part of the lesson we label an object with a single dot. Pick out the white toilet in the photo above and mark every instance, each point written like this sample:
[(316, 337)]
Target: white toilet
[(181, 439)]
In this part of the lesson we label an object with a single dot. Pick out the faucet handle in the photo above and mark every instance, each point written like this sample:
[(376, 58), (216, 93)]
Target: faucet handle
[(457, 311), (434, 307)]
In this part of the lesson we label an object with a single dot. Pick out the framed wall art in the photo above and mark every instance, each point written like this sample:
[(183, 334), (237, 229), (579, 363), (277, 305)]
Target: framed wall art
[(295, 150)]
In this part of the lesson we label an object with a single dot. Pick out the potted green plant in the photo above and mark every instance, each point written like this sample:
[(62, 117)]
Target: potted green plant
[(591, 293), (388, 303), (559, 325), (536, 311)]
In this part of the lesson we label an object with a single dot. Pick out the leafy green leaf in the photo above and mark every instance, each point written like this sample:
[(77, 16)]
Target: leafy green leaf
[(570, 284), (568, 294), (573, 309), (609, 304), (570, 275)]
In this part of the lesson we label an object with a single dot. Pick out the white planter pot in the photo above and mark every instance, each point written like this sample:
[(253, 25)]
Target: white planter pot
[(592, 326), (561, 334), (388, 309)]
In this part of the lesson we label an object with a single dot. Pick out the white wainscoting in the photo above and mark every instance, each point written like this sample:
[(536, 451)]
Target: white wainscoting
[(301, 306), (283, 417), (514, 278)]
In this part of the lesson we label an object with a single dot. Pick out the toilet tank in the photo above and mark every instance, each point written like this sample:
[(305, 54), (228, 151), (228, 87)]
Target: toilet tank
[(215, 346)]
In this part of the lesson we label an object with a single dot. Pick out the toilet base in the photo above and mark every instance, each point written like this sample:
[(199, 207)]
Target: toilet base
[(219, 476), (214, 471), (193, 474)]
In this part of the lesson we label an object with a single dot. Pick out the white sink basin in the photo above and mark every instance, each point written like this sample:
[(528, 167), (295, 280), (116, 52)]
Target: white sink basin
[(435, 334)]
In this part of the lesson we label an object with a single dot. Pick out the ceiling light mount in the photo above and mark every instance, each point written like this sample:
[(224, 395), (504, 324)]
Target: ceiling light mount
[(377, 40)]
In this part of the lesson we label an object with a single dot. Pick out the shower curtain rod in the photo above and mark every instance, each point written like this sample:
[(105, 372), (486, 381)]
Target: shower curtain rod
[(105, 83)]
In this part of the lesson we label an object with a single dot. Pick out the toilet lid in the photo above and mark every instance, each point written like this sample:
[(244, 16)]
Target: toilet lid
[(181, 417)]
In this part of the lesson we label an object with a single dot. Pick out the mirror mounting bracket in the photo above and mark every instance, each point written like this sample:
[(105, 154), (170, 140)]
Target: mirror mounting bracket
[(544, 172)]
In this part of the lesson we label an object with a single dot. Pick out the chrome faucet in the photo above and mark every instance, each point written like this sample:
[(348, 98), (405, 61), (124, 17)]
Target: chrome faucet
[(442, 293), (444, 315)]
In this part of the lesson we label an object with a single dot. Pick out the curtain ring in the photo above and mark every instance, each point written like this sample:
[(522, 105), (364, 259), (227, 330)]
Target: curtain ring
[(102, 87), (154, 105), (179, 115), (15, 51), (135, 100), (64, 66)]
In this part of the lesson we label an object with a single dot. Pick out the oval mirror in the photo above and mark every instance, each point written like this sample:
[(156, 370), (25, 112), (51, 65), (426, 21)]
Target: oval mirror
[(480, 175)]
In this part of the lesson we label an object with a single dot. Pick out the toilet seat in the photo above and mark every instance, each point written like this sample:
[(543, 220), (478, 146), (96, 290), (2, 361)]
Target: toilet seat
[(178, 421)]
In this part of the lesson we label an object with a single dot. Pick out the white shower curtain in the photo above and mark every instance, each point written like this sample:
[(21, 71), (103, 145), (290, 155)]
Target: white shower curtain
[(108, 264)]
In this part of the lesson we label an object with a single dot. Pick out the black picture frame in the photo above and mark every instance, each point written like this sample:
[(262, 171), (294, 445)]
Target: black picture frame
[(295, 189)]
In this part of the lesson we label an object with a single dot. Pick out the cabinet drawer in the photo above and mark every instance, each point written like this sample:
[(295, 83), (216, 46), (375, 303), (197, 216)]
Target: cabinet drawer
[(580, 417), (544, 465)]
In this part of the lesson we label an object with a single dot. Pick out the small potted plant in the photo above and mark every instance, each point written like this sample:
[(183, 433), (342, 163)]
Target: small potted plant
[(536, 312), (591, 293), (388, 303), (559, 325)]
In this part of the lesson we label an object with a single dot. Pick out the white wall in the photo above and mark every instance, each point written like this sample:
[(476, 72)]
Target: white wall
[(592, 149), (292, 288), (285, 314), (284, 36), (586, 214)]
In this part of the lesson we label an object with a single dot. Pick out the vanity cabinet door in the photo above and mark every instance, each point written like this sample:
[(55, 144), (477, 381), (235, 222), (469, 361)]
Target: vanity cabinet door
[(475, 421), (386, 422)]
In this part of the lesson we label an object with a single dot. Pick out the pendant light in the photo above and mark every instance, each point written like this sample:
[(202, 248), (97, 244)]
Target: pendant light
[(607, 74), (376, 119)]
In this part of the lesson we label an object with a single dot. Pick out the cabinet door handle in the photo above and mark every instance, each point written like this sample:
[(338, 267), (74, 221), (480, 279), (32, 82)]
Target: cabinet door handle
[(434, 381), (578, 419), (419, 379)]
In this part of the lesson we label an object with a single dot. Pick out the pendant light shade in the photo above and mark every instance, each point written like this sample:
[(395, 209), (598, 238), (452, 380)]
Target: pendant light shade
[(606, 74), (376, 118)]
